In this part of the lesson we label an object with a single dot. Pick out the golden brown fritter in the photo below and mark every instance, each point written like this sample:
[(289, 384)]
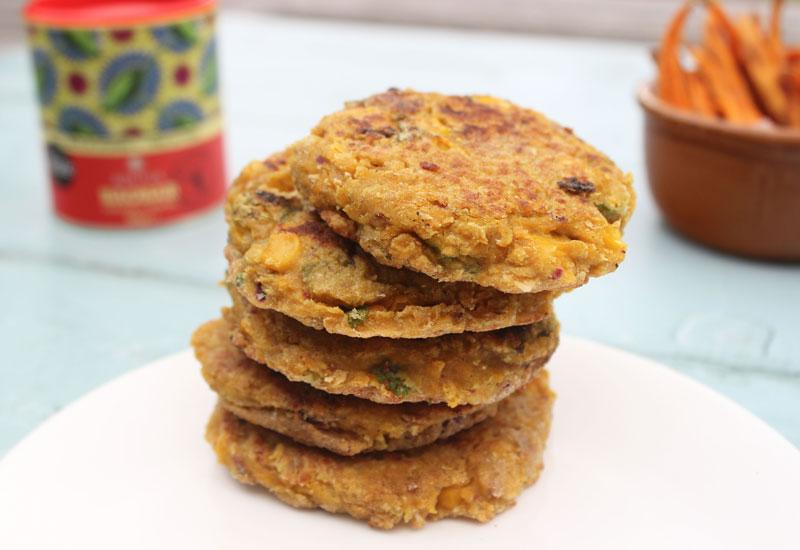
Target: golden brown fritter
[(342, 424), (473, 368), (466, 188), (285, 258), (476, 474)]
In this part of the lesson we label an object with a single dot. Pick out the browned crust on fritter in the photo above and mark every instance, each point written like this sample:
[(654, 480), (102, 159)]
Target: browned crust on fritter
[(457, 369), (466, 188), (343, 441), (331, 276), (476, 474), (342, 424)]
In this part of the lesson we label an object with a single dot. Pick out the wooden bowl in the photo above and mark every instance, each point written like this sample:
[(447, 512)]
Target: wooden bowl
[(732, 187)]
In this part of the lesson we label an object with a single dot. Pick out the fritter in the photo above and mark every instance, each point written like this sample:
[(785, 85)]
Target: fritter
[(476, 474), (473, 368), (285, 258), (466, 188), (342, 424)]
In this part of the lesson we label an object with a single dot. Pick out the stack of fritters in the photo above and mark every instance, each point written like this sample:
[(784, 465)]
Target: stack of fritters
[(392, 278)]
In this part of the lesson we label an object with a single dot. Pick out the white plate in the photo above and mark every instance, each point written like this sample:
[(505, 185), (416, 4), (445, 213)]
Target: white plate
[(639, 457)]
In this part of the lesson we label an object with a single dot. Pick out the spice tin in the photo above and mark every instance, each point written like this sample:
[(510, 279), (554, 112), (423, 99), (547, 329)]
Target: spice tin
[(129, 102)]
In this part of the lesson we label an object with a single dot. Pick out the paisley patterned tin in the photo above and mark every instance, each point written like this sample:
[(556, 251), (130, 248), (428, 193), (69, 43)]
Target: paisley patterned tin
[(128, 92)]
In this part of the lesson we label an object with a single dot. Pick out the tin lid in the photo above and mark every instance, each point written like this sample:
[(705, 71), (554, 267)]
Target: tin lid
[(102, 13)]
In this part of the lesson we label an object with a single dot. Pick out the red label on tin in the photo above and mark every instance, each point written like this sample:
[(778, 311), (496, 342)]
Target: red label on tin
[(137, 190), (130, 109)]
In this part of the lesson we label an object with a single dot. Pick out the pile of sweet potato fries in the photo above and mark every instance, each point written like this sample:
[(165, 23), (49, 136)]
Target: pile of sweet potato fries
[(742, 70)]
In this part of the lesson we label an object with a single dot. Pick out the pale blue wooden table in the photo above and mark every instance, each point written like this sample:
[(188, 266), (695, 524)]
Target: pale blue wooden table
[(80, 306)]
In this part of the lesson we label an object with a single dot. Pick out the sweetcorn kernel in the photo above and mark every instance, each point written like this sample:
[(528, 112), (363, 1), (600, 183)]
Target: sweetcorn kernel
[(279, 253), (452, 497)]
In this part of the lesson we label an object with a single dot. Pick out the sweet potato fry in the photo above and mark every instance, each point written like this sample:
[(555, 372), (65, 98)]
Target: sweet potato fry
[(794, 110), (790, 81), (762, 64), (713, 74), (744, 71), (672, 84), (792, 55), (720, 18), (774, 36), (723, 73), (701, 99)]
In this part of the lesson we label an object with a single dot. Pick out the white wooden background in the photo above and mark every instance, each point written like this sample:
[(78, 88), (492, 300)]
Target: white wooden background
[(628, 19)]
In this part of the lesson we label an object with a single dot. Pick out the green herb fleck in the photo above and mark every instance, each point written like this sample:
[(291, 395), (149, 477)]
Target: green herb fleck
[(307, 270), (470, 266), (345, 260), (390, 375), (239, 280), (357, 316), (287, 213), (609, 213)]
